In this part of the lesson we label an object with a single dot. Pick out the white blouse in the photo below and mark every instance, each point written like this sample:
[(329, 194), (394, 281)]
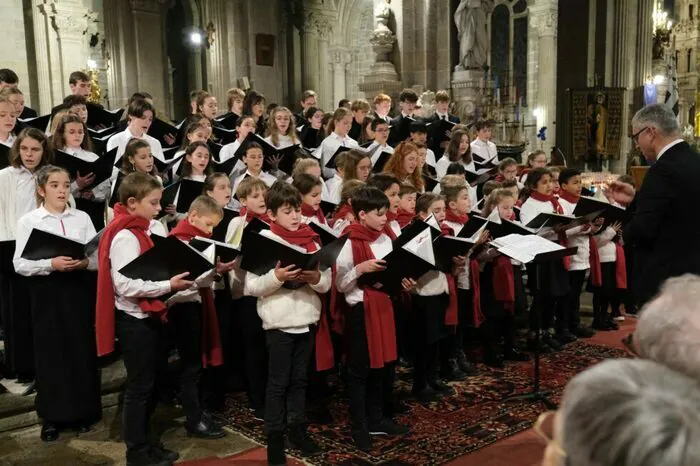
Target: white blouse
[(120, 140), (328, 147)]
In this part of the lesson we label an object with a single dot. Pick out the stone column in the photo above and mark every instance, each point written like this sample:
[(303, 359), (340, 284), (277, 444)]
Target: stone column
[(382, 77), (41, 18), (645, 30), (590, 61), (544, 16), (340, 58), (620, 49), (215, 29), (609, 42), (309, 57), (147, 20)]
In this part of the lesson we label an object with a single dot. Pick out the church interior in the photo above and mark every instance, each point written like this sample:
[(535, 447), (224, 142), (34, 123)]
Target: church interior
[(562, 78)]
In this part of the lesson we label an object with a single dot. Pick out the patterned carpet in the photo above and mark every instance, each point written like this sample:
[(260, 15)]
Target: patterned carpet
[(472, 419)]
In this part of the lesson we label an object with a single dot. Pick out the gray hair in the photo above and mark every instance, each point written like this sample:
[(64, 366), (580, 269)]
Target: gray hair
[(630, 413), (659, 116), (668, 330)]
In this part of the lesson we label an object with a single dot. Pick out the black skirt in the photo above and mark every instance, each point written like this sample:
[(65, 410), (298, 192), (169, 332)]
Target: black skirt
[(67, 377), (17, 323)]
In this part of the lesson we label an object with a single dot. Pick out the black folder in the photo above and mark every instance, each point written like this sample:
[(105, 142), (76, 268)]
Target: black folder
[(44, 245), (261, 254), (553, 220), (186, 190), (309, 137), (159, 129), (381, 161), (114, 198), (4, 156), (506, 228), (224, 252), (489, 165), (219, 233), (40, 122), (103, 132), (214, 150), (288, 157), (98, 116), (169, 257), (254, 226), (328, 207), (402, 131), (472, 226), (224, 135), (400, 264), (448, 247), (165, 167), (475, 179), (7, 253), (437, 130), (327, 234), (331, 162), (228, 120), (99, 144), (101, 168), (410, 231), (429, 183), (610, 213)]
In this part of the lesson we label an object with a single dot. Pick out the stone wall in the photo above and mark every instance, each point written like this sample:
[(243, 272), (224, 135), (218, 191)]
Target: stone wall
[(13, 54), (362, 55)]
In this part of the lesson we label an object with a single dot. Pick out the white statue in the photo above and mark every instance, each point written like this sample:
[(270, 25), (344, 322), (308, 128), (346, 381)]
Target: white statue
[(470, 19), (381, 15)]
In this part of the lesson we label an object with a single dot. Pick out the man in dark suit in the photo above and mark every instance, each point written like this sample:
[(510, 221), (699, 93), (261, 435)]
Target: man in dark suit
[(437, 139), (665, 228), (401, 125)]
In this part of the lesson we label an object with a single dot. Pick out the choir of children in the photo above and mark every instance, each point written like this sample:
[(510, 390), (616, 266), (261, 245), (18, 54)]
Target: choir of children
[(281, 317)]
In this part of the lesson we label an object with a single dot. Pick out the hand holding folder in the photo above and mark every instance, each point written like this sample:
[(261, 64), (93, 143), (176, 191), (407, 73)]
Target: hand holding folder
[(168, 258)]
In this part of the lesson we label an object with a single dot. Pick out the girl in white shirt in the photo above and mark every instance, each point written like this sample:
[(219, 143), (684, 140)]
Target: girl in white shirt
[(196, 167), (458, 150), (8, 120), (63, 310), (350, 165), (244, 126), (140, 115), (280, 130), (29, 152), (342, 121), (70, 137), (253, 160), (195, 132)]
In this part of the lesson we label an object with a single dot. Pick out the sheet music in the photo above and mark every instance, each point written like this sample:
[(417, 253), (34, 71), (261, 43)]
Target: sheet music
[(432, 221), (324, 227), (422, 246), (524, 248), (495, 216)]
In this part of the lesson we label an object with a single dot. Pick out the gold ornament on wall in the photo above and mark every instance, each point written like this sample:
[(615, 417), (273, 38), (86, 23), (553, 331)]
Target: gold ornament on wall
[(95, 91)]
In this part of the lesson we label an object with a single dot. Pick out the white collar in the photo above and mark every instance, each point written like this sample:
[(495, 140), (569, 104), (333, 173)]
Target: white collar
[(45, 213), (338, 137), (442, 115), (667, 147), (131, 136), (247, 172), (405, 115)]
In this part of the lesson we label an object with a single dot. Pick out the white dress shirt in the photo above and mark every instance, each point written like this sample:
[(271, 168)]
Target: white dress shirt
[(10, 140), (576, 237), (463, 275), (329, 146), (444, 162), (17, 197), (334, 186), (347, 274), (484, 149), (127, 291), (376, 150), (73, 224), (667, 147), (228, 152), (530, 209), (120, 140)]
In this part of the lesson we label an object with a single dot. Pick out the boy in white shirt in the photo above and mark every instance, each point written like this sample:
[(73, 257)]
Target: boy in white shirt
[(481, 145)]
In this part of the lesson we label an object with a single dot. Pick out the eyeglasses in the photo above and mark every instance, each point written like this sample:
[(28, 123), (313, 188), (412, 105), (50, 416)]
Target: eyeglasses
[(636, 135), (546, 435)]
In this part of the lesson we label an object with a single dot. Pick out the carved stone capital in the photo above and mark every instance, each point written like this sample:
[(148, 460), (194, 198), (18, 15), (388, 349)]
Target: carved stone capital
[(319, 25), (70, 25), (544, 21), (147, 6), (340, 57)]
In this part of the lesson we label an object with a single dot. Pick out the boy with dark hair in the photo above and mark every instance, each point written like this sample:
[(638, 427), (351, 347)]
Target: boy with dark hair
[(8, 78), (370, 354), (359, 108), (481, 146), (77, 104), (288, 314), (407, 104), (438, 142), (419, 137)]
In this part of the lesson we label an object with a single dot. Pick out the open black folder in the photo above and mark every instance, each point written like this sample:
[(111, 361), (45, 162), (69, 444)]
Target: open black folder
[(169, 257), (327, 234), (39, 122), (159, 129), (185, 190), (101, 168), (224, 135), (553, 220), (287, 158), (98, 116), (411, 260), (224, 252), (448, 247), (44, 245), (261, 254), (254, 226), (219, 233), (4, 156), (331, 162), (610, 213), (381, 161)]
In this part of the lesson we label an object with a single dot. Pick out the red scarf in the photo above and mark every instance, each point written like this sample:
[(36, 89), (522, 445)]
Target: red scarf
[(308, 239), (304, 237), (379, 312), (341, 213), (452, 313), (308, 211), (504, 282), (594, 256), (477, 316), (404, 217), (558, 209), (212, 354), (620, 266), (524, 172), (390, 217), (250, 215), (104, 309), (500, 178)]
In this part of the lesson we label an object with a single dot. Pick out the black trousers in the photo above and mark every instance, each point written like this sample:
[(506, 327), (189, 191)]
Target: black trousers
[(496, 327), (576, 280), (186, 326), (368, 389), (214, 380), (289, 355), (428, 329), (144, 347), (255, 351)]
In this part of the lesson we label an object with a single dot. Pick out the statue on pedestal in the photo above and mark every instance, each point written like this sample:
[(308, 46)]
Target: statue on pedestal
[(470, 19)]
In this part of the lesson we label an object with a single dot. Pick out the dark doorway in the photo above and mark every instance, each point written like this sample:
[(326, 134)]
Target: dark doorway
[(177, 24)]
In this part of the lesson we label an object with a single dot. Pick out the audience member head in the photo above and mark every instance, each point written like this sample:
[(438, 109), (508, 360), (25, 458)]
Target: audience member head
[(654, 127)]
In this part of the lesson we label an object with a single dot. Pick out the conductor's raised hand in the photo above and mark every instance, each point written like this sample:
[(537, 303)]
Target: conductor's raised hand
[(178, 282), (620, 192), (290, 272), (371, 265)]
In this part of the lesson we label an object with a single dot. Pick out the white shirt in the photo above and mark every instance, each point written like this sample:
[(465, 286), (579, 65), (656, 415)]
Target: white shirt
[(334, 186), (266, 178), (10, 140), (667, 147), (102, 190), (25, 194), (463, 275), (444, 162), (120, 140), (228, 152), (376, 150), (124, 249), (329, 146), (347, 275), (578, 238), (234, 234), (484, 149), (530, 209), (73, 224)]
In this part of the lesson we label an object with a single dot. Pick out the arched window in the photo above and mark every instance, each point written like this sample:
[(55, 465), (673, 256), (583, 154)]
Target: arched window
[(690, 54), (508, 61)]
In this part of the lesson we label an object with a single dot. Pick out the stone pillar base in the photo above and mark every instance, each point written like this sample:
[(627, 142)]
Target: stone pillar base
[(467, 92), (374, 85)]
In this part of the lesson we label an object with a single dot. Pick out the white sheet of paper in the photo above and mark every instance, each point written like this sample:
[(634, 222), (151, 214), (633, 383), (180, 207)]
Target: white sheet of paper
[(524, 248), (422, 246)]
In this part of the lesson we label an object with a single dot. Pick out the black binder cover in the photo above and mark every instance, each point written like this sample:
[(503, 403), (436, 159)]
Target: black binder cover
[(40, 122), (254, 226), (7, 253), (114, 198), (400, 264), (224, 252), (224, 135), (286, 163), (219, 233), (475, 180), (169, 257), (4, 156), (401, 132), (225, 167), (159, 129), (410, 231), (101, 168), (98, 116), (610, 213), (553, 220), (102, 133), (328, 235), (475, 222), (189, 191), (383, 158), (164, 167), (261, 254), (507, 228), (447, 247), (268, 149), (430, 183), (168, 196), (328, 207), (331, 162), (228, 120), (437, 130), (214, 150), (45, 245)]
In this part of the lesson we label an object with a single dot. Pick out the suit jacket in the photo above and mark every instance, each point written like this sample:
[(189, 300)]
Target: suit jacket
[(28, 113), (399, 130), (665, 229)]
